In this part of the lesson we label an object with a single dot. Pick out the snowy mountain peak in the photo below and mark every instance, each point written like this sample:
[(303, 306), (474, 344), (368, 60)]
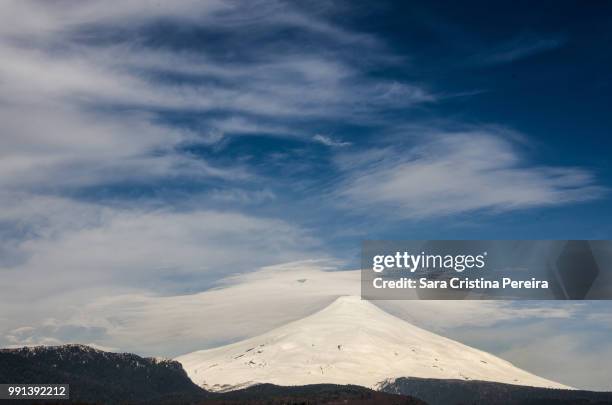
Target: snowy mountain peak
[(351, 305), (347, 302), (351, 341)]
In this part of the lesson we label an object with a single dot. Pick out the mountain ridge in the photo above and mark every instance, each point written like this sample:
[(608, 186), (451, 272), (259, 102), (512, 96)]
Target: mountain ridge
[(448, 392), (95, 375)]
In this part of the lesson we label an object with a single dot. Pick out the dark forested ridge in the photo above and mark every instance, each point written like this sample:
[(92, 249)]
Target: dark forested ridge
[(95, 375), (449, 392), (311, 394)]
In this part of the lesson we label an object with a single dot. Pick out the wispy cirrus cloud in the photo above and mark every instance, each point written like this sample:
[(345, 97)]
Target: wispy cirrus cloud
[(518, 48), (83, 94), (454, 173), (125, 246), (329, 141)]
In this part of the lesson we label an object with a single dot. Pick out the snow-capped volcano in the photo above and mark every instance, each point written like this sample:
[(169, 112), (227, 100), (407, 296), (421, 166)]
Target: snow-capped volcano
[(349, 342)]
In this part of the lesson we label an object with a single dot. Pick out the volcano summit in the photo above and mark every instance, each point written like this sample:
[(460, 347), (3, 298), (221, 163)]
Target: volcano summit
[(349, 342)]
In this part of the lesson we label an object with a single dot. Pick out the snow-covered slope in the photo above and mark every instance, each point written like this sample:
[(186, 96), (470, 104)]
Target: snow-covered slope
[(349, 342)]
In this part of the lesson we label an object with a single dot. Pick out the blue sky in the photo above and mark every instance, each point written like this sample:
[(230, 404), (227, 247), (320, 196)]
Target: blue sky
[(151, 150)]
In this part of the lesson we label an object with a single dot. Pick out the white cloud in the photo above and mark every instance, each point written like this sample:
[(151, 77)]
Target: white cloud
[(93, 108), (43, 18), (329, 141), (90, 245), (453, 173), (240, 306), (518, 48), (451, 315), (62, 255), (567, 357), (564, 350)]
